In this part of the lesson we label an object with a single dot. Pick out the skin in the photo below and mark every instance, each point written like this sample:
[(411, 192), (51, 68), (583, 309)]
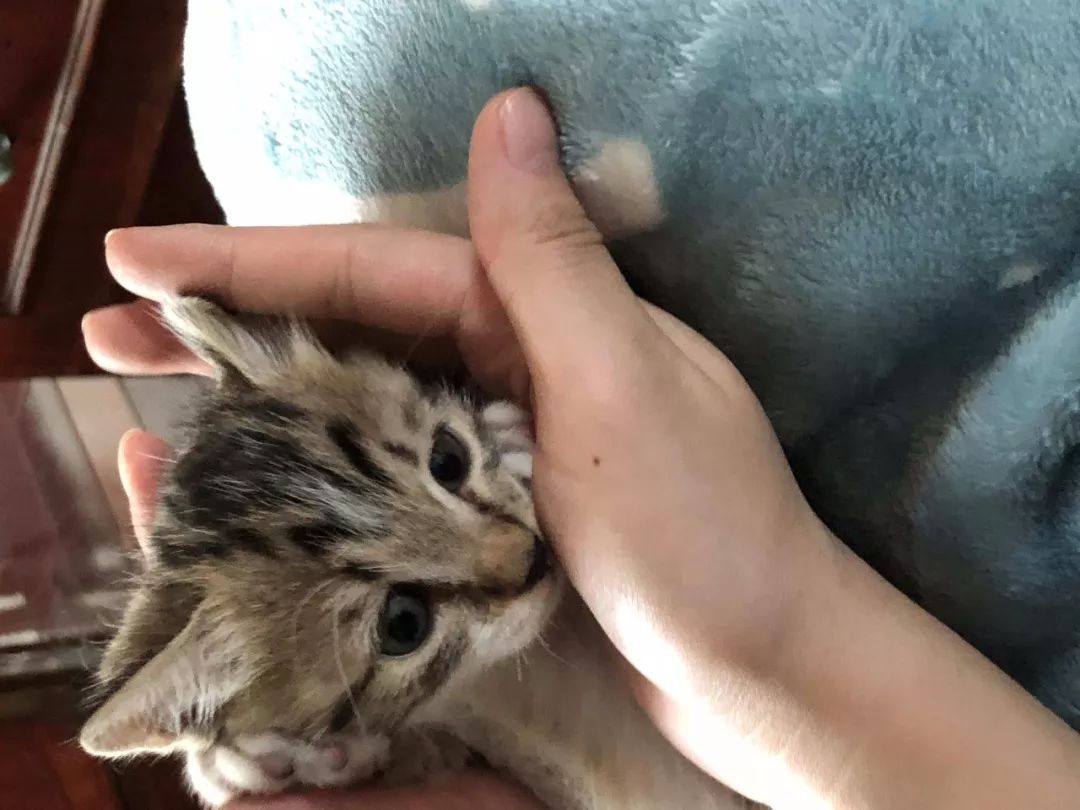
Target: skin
[(762, 648)]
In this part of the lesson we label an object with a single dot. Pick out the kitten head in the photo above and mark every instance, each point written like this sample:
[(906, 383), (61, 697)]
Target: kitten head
[(335, 544)]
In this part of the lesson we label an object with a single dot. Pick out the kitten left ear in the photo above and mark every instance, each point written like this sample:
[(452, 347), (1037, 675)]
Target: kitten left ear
[(173, 697), (242, 350)]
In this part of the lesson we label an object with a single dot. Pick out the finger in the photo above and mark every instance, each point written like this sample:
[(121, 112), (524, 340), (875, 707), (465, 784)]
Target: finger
[(131, 339), (545, 260), (142, 456), (404, 280)]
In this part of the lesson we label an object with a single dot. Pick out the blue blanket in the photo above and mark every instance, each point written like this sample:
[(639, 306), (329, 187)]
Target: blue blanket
[(873, 206)]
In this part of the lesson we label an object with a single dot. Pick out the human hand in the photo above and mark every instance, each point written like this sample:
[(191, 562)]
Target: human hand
[(656, 471)]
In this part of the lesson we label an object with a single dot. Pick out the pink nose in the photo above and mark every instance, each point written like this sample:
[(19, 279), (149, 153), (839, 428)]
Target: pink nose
[(334, 756)]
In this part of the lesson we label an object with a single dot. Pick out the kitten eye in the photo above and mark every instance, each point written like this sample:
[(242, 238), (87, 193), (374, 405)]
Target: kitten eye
[(405, 623), (449, 461)]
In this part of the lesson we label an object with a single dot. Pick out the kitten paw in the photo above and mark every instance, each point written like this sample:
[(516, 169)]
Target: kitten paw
[(272, 763), (511, 428)]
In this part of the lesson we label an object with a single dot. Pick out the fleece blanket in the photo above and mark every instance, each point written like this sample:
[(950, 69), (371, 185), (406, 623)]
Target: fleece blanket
[(873, 206)]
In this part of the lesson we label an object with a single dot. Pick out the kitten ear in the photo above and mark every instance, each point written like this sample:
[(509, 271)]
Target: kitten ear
[(242, 350), (172, 697)]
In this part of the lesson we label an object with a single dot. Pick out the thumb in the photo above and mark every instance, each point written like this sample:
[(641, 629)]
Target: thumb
[(544, 259)]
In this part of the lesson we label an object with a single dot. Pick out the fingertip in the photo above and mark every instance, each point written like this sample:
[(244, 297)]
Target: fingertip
[(545, 260), (97, 333), (131, 339), (136, 256), (97, 337), (488, 125), (123, 262), (528, 132)]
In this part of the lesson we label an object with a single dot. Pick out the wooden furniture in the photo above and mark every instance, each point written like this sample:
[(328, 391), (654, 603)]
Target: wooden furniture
[(93, 136), (90, 102), (40, 768)]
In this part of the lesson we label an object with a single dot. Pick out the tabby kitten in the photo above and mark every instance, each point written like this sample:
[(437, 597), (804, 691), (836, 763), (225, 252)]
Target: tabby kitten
[(346, 582)]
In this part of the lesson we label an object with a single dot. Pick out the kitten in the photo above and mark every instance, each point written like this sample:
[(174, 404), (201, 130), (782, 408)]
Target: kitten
[(346, 582)]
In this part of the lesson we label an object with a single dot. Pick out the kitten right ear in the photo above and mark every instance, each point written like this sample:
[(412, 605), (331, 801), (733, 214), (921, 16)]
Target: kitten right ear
[(170, 698), (242, 351)]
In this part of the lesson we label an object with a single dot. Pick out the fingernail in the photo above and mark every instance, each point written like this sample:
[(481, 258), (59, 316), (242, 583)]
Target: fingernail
[(109, 235), (528, 132)]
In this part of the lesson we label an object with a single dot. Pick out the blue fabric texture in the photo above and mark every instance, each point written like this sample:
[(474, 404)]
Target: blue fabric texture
[(873, 206)]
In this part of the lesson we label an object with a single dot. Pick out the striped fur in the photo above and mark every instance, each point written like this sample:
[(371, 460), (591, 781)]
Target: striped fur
[(300, 498)]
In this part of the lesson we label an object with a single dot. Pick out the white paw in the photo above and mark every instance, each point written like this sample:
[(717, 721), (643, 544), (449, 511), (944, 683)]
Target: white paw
[(272, 763), (511, 428)]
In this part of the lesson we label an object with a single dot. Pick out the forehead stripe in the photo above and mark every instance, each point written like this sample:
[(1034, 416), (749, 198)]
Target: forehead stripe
[(344, 436), (359, 571), (400, 451), (234, 465), (487, 508), (316, 539), (250, 540)]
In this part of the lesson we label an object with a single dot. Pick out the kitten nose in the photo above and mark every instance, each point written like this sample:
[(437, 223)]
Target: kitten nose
[(540, 564)]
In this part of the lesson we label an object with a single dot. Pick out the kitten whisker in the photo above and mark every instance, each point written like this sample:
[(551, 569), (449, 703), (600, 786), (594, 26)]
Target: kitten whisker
[(159, 459), (311, 594), (547, 647), (418, 340), (335, 625)]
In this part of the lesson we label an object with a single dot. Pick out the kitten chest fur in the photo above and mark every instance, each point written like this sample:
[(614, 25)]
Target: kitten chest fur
[(562, 719)]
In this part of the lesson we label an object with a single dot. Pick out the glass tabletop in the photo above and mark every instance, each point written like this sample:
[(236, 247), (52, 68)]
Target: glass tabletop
[(66, 551)]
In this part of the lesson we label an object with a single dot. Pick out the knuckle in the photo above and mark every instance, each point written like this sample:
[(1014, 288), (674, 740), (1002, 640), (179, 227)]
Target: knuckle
[(562, 225)]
